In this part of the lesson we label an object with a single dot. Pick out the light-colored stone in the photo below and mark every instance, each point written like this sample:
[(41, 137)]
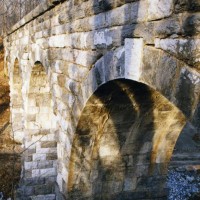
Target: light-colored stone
[(159, 9), (102, 38), (133, 58), (88, 45), (184, 49)]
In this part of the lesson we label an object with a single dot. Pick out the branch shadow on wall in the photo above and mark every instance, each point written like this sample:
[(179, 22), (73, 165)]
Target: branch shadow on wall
[(118, 140)]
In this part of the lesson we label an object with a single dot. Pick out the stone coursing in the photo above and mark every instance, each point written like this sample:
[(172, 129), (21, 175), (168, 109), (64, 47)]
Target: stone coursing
[(82, 45)]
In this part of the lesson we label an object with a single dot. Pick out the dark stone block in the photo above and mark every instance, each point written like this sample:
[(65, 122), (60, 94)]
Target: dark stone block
[(34, 181), (187, 5), (185, 100), (29, 191), (191, 25), (44, 189), (51, 156), (48, 144)]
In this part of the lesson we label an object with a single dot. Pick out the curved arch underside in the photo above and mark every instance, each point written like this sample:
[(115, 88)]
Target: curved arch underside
[(125, 135)]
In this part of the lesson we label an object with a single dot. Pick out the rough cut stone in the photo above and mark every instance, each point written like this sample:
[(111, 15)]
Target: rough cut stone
[(186, 50), (159, 9), (90, 72), (133, 56)]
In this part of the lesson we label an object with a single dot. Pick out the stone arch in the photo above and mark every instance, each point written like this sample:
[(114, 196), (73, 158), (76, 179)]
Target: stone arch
[(120, 63), (125, 136), (113, 65), (40, 127), (39, 100), (110, 67), (16, 101)]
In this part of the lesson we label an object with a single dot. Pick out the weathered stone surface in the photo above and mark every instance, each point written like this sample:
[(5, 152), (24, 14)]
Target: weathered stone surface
[(191, 24), (133, 55), (186, 50), (84, 46), (187, 5), (159, 9), (191, 83), (167, 27)]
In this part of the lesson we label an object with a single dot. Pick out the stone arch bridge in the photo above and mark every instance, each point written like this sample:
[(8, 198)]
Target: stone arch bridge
[(100, 92)]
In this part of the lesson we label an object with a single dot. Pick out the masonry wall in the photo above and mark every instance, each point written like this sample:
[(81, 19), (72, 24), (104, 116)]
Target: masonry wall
[(83, 45)]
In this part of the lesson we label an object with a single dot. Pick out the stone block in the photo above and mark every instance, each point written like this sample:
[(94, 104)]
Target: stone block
[(57, 91), (44, 197), (167, 27), (184, 49), (48, 172), (43, 189), (60, 41), (96, 22), (77, 72), (30, 165), (39, 157), (50, 180), (24, 40), (57, 30), (46, 150), (31, 118), (159, 9), (49, 137), (48, 144), (138, 11), (34, 181), (130, 184), (114, 19), (29, 191), (35, 173), (43, 43), (28, 173), (51, 156), (133, 58), (103, 38), (61, 80)]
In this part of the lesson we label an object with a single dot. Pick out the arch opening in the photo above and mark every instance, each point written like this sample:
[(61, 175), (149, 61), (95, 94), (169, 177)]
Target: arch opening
[(40, 144), (40, 114), (123, 141)]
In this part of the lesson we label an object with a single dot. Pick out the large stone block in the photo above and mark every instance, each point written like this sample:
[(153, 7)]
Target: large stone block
[(159, 9), (167, 27), (133, 58), (60, 41), (138, 11), (103, 39), (114, 19), (187, 50)]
